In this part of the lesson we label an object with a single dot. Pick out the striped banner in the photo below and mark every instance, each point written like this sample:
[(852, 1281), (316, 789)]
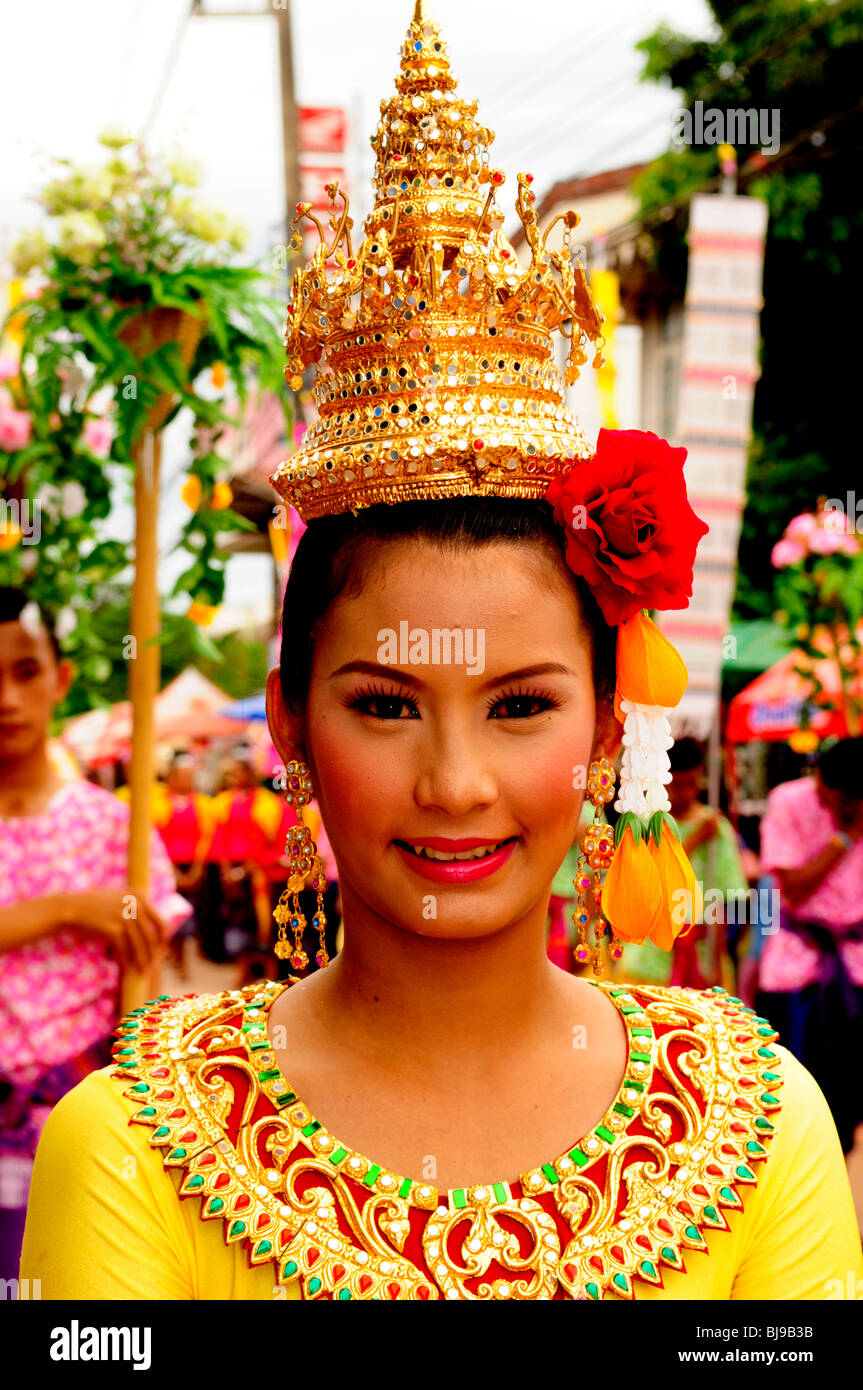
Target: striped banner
[(719, 369)]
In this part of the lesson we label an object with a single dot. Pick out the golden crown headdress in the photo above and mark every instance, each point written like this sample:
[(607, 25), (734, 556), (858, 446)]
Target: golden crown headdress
[(436, 371)]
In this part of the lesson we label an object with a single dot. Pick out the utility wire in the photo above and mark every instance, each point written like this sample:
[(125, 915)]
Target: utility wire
[(170, 65)]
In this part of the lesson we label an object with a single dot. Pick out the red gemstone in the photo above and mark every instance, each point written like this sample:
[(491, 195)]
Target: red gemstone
[(497, 176), (189, 1137), (177, 1115), (242, 1202), (700, 1189), (742, 1037), (644, 1242), (504, 255), (617, 1253), (160, 1071), (597, 1262), (165, 1095), (339, 1272), (528, 178), (569, 1271), (686, 1208), (395, 1289), (313, 1254), (423, 1291), (738, 1127), (714, 1170), (478, 444), (665, 1226), (221, 1179), (351, 264), (366, 1282), (262, 1221)]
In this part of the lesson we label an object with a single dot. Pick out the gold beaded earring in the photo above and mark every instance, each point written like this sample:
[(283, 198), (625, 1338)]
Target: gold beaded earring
[(304, 863), (596, 854)]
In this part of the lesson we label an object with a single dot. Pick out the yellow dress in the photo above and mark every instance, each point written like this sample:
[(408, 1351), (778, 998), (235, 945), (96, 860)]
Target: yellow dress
[(195, 1172)]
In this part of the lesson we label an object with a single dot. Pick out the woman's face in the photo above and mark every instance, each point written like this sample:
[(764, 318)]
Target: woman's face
[(417, 759)]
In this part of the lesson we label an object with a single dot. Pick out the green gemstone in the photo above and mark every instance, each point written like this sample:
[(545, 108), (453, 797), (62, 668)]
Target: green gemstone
[(258, 1044), (766, 1032), (550, 1172), (732, 999), (125, 1064), (459, 1199), (711, 1213), (289, 1270), (649, 1268), (311, 1127), (763, 1123), (641, 1032), (615, 993), (621, 1281), (237, 1229), (579, 1157), (141, 1089), (215, 1205), (765, 1052), (263, 1247), (338, 1156), (314, 1284), (624, 1109), (753, 1147), (271, 1075), (639, 1056), (767, 1099), (743, 1172), (146, 1113), (501, 1192), (670, 1255), (372, 1175), (405, 1188), (286, 1098), (344, 1293), (630, 1085), (177, 1153), (631, 1009), (592, 1290), (692, 1233), (771, 1076), (195, 1182), (729, 1195), (126, 1052), (605, 1134), (717, 989), (161, 1132)]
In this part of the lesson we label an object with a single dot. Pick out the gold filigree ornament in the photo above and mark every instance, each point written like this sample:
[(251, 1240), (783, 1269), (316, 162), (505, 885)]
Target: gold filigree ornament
[(432, 347), (686, 1130)]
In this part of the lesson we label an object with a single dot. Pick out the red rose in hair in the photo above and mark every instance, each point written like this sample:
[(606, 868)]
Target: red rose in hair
[(630, 531)]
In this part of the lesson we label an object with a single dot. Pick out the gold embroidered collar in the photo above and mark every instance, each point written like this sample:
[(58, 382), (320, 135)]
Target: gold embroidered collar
[(685, 1131)]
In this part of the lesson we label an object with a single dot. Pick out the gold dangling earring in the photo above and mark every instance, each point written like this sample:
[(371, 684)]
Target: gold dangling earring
[(597, 852), (304, 863)]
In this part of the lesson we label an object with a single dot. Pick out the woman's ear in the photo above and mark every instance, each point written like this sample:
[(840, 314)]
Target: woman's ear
[(286, 729), (608, 738)]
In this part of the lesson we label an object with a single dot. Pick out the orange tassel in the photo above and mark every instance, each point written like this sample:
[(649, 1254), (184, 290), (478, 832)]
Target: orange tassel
[(677, 878), (650, 671), (632, 895)]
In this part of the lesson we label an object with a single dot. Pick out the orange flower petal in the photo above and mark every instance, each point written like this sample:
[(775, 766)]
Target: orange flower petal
[(632, 891), (650, 671)]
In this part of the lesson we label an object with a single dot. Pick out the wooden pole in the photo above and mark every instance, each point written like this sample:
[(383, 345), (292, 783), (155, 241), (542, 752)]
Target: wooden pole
[(143, 687), (290, 144)]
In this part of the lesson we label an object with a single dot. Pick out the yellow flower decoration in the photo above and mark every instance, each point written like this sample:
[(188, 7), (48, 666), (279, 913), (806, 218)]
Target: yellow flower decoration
[(191, 493), (202, 614), (222, 497)]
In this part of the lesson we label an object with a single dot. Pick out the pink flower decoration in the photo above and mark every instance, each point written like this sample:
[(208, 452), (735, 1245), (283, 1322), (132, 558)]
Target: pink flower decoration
[(801, 527), (825, 542), (8, 367), (97, 436), (298, 433), (15, 428), (786, 552)]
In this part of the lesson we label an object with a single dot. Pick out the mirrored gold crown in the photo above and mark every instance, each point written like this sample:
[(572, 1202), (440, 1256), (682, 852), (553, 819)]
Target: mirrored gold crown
[(434, 348)]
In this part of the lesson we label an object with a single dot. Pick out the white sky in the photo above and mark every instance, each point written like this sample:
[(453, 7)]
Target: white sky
[(557, 80)]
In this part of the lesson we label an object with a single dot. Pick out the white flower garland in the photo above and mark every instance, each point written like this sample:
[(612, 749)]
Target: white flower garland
[(646, 769)]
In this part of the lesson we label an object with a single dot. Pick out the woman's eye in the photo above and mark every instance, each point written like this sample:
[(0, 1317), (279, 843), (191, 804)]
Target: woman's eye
[(520, 706), (386, 706)]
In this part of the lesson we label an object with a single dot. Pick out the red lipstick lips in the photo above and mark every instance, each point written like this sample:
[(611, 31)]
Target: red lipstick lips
[(454, 870)]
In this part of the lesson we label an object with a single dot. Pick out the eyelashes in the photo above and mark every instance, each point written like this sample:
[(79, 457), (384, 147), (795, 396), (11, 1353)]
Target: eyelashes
[(515, 703)]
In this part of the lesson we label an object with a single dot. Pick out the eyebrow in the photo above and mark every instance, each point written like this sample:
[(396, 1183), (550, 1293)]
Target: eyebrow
[(373, 668)]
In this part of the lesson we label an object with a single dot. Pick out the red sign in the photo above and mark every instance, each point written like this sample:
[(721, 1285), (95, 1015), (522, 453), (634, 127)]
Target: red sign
[(322, 129)]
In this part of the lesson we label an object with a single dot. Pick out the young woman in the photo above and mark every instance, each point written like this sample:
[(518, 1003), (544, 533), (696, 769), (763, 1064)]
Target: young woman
[(441, 1112)]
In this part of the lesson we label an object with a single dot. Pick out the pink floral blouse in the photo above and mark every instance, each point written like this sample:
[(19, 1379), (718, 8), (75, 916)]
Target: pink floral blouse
[(58, 995), (795, 829)]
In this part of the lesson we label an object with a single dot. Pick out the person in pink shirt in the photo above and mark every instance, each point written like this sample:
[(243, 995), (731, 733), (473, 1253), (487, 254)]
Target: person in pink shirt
[(811, 969), (69, 921)]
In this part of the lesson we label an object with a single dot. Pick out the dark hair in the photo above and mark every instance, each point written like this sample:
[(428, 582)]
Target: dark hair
[(685, 754), (841, 766), (332, 551), (12, 605)]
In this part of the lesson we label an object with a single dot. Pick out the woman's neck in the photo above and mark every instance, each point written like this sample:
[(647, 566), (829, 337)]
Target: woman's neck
[(27, 783), (436, 999)]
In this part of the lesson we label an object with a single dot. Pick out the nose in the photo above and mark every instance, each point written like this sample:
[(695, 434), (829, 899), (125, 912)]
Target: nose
[(455, 774)]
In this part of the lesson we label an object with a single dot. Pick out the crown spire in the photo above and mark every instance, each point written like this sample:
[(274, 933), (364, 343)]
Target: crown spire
[(435, 367)]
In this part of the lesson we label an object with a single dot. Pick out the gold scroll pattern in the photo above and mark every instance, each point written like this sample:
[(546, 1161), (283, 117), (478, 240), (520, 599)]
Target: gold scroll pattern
[(687, 1129)]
